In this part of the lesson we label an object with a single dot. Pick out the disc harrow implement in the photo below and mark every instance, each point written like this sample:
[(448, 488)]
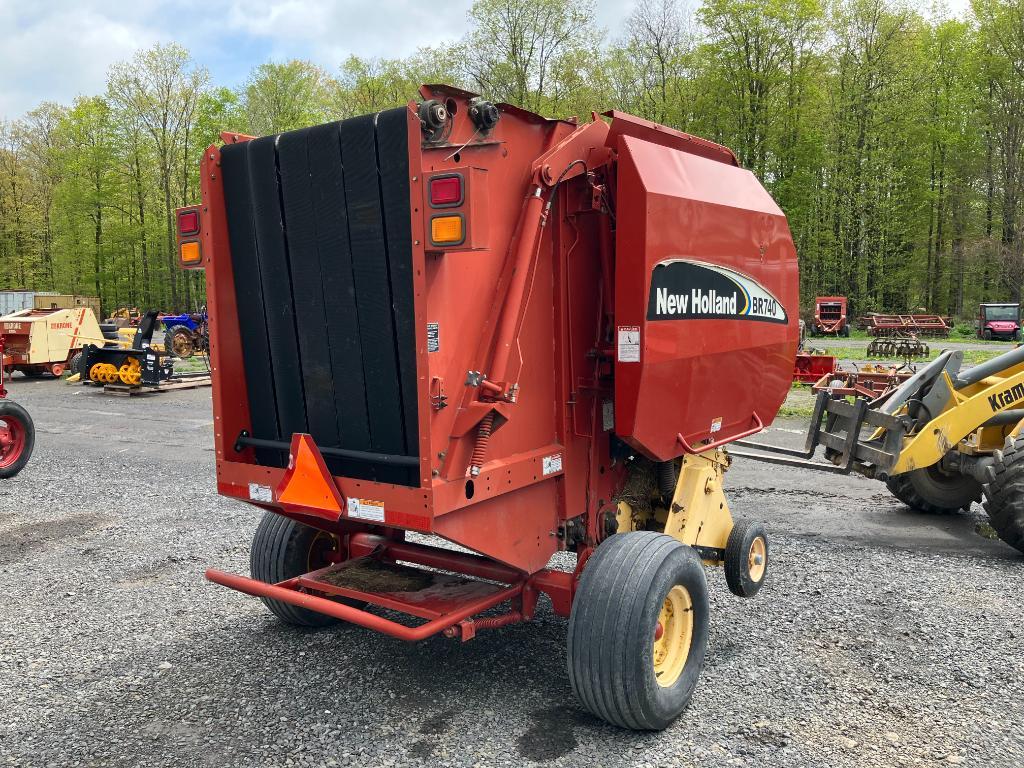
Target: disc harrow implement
[(905, 345)]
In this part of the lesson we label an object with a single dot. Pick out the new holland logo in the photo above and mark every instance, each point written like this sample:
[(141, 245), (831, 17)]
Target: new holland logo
[(690, 290), (1001, 400)]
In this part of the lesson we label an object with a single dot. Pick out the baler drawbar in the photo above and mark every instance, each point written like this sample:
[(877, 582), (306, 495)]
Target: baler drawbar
[(458, 322)]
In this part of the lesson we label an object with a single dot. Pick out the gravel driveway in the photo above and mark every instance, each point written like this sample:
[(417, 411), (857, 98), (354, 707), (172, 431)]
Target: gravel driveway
[(881, 638)]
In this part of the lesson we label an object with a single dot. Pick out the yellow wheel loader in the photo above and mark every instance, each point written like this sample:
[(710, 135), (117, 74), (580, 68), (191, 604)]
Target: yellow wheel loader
[(942, 440)]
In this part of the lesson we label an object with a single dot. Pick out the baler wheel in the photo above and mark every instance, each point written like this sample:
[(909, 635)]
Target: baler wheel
[(283, 549), (746, 558), (1004, 496), (17, 438), (638, 630), (933, 491)]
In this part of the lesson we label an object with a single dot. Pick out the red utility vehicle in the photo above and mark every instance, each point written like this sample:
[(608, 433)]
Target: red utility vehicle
[(17, 432), (460, 322), (830, 317), (999, 321)]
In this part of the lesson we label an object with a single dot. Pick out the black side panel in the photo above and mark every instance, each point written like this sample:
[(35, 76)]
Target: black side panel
[(393, 160), (307, 286), (277, 286), (320, 232), (372, 283), (342, 323), (248, 286)]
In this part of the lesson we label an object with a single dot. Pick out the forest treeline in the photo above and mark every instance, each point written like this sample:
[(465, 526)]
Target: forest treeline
[(892, 136)]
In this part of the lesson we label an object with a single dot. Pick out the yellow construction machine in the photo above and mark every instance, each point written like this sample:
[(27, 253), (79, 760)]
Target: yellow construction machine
[(943, 439)]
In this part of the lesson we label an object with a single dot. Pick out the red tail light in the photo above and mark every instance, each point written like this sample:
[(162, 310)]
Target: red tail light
[(446, 191), (188, 222)]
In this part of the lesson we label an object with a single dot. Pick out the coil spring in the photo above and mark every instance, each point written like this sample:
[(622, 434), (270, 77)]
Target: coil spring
[(483, 437)]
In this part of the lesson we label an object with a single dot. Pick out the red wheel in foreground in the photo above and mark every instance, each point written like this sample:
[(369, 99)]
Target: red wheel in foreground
[(17, 438), (57, 369)]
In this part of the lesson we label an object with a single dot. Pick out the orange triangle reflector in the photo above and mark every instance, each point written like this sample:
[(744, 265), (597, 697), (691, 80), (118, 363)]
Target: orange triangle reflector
[(307, 486)]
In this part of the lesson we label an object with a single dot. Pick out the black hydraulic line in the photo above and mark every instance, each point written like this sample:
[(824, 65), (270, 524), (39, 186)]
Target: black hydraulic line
[(364, 456)]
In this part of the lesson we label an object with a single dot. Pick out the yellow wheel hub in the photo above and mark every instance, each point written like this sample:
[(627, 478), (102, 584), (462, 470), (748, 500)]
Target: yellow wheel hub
[(757, 558), (673, 636), (131, 372)]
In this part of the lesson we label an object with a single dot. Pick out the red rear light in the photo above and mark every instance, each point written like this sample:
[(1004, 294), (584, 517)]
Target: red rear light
[(446, 191), (188, 222)]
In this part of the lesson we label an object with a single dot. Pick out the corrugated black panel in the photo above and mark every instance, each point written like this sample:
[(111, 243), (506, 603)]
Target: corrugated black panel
[(327, 183), (307, 286), (251, 316), (277, 286), (393, 161), (320, 232), (372, 282)]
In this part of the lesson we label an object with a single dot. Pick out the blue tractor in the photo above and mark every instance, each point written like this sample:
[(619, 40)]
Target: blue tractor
[(187, 334)]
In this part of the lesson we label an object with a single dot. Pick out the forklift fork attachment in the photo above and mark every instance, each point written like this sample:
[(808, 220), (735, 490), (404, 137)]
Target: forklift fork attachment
[(837, 425)]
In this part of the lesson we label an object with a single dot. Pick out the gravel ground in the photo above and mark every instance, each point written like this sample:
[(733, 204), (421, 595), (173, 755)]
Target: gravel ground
[(879, 639)]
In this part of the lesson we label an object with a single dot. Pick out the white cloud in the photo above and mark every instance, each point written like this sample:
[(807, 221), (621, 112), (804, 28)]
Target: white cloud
[(59, 51)]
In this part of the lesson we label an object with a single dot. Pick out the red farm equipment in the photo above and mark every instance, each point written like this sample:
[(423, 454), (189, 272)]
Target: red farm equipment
[(17, 432), (902, 325), (460, 322), (830, 317)]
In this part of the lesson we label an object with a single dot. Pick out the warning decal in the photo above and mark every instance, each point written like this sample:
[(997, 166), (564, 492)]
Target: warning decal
[(366, 509), (259, 492), (691, 290), (629, 344)]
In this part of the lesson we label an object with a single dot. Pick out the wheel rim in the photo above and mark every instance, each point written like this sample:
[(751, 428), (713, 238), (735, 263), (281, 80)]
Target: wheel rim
[(181, 345), (323, 551), (757, 558), (12, 441), (673, 636)]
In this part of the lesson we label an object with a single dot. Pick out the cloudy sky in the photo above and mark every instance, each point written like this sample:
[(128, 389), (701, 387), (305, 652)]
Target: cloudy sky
[(57, 49)]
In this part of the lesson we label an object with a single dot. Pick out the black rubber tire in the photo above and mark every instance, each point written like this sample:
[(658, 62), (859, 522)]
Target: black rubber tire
[(1004, 496), (11, 410), (737, 552), (169, 340), (76, 360), (612, 623), (846, 331), (987, 334), (931, 491), (280, 551), (1016, 335)]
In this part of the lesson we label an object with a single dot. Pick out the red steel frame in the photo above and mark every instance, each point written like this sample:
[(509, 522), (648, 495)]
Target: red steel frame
[(539, 337), (926, 325)]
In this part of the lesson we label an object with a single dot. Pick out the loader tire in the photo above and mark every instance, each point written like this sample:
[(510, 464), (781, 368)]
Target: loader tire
[(1004, 496), (638, 630), (283, 549), (932, 491), (17, 438), (75, 364)]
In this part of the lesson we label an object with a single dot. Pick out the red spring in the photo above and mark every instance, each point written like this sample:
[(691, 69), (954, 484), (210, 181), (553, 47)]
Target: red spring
[(495, 622), (483, 437)]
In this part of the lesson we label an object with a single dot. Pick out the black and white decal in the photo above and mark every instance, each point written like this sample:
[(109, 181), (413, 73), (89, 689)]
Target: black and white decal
[(691, 290)]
